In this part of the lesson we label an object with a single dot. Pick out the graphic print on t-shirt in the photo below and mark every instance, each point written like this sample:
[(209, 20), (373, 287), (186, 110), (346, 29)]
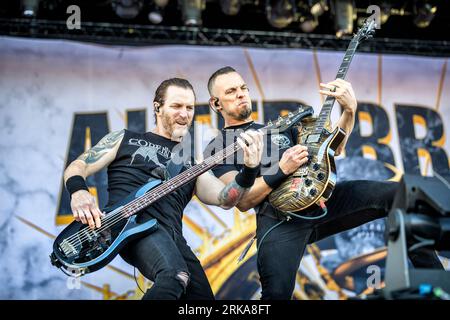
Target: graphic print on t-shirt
[(281, 141), (149, 151)]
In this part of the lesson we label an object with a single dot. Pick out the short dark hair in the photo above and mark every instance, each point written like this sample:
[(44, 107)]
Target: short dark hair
[(161, 91), (221, 71)]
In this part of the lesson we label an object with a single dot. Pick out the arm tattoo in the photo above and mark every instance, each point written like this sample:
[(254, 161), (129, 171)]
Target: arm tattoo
[(100, 149), (231, 194)]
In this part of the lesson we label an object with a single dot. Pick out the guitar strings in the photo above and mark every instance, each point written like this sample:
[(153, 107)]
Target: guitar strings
[(85, 233), (115, 217)]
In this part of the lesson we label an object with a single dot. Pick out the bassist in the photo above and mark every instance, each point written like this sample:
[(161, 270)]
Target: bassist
[(133, 159)]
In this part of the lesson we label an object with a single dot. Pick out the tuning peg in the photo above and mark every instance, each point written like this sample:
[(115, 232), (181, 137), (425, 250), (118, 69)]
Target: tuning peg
[(280, 118), (300, 109), (270, 123), (290, 114)]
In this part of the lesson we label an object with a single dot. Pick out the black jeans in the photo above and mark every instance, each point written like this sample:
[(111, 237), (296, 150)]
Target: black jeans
[(352, 204), (165, 258)]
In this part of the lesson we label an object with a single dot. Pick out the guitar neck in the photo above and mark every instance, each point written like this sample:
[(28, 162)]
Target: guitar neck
[(193, 172), (325, 112), (176, 182)]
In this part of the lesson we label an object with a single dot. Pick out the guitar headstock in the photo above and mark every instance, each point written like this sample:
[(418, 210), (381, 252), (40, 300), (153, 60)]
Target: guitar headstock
[(367, 30), (292, 118)]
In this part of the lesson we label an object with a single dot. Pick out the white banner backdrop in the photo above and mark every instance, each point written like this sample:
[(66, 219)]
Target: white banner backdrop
[(48, 88)]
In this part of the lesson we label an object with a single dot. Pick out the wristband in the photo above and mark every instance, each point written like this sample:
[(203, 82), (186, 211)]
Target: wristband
[(274, 180), (75, 184), (246, 177)]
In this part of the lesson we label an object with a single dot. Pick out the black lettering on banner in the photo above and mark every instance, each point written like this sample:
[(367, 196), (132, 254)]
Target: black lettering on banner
[(136, 120), (377, 141), (273, 109), (87, 130), (428, 146)]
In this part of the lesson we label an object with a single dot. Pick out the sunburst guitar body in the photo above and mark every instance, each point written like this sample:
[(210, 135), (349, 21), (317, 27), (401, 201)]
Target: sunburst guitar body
[(314, 181)]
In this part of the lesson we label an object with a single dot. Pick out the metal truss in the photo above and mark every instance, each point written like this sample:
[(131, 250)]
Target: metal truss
[(137, 35)]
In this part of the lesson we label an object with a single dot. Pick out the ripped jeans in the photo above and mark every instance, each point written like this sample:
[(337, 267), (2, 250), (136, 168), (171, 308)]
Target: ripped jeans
[(165, 258)]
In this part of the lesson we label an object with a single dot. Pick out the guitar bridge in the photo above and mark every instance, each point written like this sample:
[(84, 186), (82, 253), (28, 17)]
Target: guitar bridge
[(68, 248)]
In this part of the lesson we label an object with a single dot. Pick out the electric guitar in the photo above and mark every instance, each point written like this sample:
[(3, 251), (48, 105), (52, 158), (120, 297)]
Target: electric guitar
[(78, 250), (313, 183)]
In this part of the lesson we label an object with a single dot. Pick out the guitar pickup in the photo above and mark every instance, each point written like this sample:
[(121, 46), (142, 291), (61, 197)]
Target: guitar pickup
[(313, 138)]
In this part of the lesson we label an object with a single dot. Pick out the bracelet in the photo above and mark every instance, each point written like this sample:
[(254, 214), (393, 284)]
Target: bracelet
[(247, 176), (76, 183), (274, 180)]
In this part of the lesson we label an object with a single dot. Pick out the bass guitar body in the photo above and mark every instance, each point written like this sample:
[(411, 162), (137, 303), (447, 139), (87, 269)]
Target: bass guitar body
[(78, 250)]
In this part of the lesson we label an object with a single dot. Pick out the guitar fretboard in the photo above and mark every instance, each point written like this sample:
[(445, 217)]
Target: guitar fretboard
[(193, 172), (184, 177), (325, 112)]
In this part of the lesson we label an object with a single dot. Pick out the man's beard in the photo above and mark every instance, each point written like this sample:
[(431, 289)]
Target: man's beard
[(243, 114), (175, 132)]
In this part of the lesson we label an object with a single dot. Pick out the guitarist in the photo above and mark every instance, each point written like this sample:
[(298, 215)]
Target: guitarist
[(133, 159), (281, 242)]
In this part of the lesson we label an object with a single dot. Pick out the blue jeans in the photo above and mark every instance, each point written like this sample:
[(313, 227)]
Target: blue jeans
[(165, 258), (352, 204)]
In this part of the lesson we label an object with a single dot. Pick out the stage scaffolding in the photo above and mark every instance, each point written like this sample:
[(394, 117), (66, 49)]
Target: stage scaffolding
[(140, 35)]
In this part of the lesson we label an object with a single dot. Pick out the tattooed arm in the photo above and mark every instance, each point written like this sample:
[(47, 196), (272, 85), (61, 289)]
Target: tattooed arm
[(96, 158), (83, 204), (211, 190)]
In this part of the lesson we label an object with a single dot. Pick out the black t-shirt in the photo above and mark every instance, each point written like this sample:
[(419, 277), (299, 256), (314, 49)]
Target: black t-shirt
[(275, 144), (142, 157)]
